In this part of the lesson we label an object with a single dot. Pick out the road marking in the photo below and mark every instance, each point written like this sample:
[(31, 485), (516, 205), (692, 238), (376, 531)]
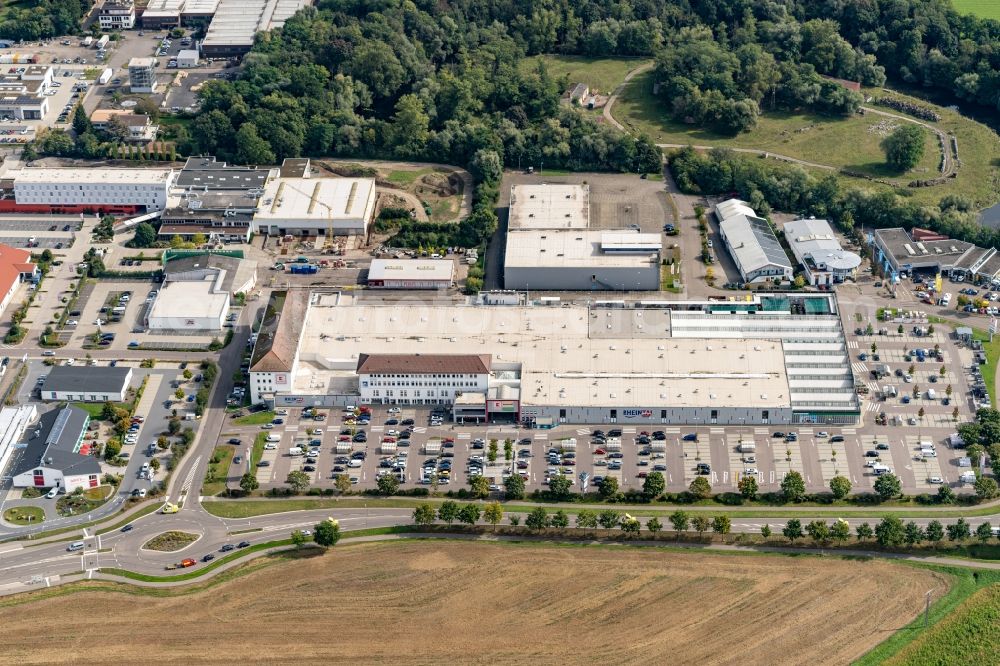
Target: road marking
[(463, 435), (190, 477)]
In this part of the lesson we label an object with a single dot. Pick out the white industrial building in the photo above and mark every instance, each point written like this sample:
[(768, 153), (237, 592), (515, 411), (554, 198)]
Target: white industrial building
[(13, 424), (411, 274), (196, 305), (817, 249), (316, 206), (82, 383), (236, 23), (232, 274), (550, 245), (187, 58), (92, 186), (752, 244), (116, 15), (565, 260), (777, 359)]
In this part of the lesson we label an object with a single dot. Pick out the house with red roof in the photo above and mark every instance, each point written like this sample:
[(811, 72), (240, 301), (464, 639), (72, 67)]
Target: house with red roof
[(15, 267)]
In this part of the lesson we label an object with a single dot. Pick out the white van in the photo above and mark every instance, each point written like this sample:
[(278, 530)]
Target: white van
[(273, 437), (890, 391), (946, 300), (76, 545), (879, 470), (295, 451), (928, 453), (931, 395)]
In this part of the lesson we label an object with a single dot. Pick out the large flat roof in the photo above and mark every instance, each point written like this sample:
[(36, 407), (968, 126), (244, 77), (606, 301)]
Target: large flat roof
[(568, 248), (815, 239), (752, 243), (549, 206), (237, 21), (560, 362), (46, 175), (197, 299), (316, 198)]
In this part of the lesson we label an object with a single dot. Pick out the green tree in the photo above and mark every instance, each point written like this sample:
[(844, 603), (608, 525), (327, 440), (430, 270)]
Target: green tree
[(630, 526), (608, 488), (680, 521), (479, 487), (840, 530), (154, 464), (248, 482), (410, 127), (327, 533), (469, 514), (514, 487), (913, 534), (179, 394), (298, 538), (654, 485), (721, 525), (654, 525), (890, 532), (112, 449), (986, 488), (388, 484), (342, 483), (700, 488), (493, 514), (959, 531), (840, 486), (448, 512), (145, 235), (765, 531), (559, 486), (792, 529), (559, 519), (748, 486), (538, 519), (864, 531), (424, 514), (793, 486), (984, 532), (298, 480), (81, 123), (934, 531), (608, 518), (904, 147), (945, 495), (701, 524), (586, 518), (251, 149), (818, 530), (888, 486)]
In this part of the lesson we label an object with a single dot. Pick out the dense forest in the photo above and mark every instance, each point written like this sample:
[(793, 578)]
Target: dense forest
[(40, 19)]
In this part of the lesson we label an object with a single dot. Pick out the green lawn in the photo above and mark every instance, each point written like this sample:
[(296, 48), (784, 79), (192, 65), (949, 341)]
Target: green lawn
[(24, 515), (600, 74), (962, 627), (96, 409), (405, 177), (258, 449), (849, 143), (216, 473), (981, 8), (839, 142), (258, 418)]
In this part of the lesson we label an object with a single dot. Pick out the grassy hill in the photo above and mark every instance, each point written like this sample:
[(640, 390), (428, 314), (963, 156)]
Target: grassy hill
[(600, 74), (982, 8)]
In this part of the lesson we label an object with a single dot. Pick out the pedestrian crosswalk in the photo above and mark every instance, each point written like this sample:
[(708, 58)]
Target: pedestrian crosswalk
[(419, 429), (852, 344), (463, 435), (873, 407), (859, 368), (582, 432), (378, 428), (627, 431), (717, 431), (541, 435)]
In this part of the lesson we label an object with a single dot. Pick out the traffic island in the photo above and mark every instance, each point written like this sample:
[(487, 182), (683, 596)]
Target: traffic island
[(172, 541)]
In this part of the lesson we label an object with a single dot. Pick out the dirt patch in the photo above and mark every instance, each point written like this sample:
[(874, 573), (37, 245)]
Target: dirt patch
[(424, 602)]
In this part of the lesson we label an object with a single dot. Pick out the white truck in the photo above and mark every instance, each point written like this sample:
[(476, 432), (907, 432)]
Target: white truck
[(967, 477), (746, 447), (105, 76), (931, 395), (432, 446), (102, 42), (87, 41), (295, 451)]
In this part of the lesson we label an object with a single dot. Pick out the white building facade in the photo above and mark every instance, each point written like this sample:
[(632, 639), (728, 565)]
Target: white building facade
[(97, 187)]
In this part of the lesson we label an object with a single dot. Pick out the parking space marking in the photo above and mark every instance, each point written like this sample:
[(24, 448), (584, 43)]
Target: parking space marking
[(782, 464), (463, 435), (832, 459)]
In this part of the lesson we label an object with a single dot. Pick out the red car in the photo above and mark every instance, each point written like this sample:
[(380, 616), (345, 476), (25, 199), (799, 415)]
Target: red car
[(599, 452), (642, 475), (448, 440)]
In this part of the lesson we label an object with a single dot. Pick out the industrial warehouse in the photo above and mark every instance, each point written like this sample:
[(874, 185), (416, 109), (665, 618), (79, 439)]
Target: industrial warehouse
[(778, 359), (551, 246)]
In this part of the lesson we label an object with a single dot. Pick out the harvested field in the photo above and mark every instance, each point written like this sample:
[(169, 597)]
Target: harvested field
[(433, 602)]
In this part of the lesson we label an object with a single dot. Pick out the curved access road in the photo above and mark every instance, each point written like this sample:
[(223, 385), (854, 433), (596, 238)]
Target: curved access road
[(610, 119)]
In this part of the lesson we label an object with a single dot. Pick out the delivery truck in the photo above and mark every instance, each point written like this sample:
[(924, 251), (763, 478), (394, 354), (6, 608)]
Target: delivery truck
[(87, 41), (102, 42), (746, 447), (105, 76)]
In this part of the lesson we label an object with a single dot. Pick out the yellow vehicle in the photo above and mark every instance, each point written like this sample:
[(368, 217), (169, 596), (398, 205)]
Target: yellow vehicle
[(170, 508)]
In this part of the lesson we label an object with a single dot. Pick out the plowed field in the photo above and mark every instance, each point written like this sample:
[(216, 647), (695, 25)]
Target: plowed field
[(444, 603)]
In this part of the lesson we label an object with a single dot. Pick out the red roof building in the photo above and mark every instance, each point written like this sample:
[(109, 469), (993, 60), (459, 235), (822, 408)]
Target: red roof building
[(15, 266)]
